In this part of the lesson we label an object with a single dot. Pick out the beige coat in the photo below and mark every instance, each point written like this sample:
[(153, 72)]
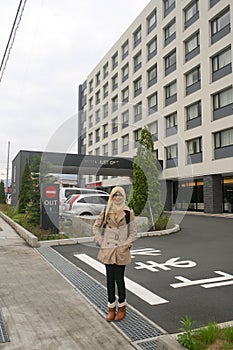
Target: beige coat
[(115, 244)]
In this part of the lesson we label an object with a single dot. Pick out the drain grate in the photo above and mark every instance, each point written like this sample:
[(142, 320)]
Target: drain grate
[(150, 344), (3, 333), (136, 326)]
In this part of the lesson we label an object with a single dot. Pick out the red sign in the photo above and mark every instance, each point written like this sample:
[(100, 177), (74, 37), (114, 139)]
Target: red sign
[(50, 192)]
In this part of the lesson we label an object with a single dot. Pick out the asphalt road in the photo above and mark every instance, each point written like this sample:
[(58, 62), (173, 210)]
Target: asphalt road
[(186, 273)]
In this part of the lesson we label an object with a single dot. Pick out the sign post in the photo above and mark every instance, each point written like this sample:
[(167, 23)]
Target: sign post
[(49, 215)]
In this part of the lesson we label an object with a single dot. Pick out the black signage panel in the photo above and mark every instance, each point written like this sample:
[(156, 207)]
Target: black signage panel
[(49, 217)]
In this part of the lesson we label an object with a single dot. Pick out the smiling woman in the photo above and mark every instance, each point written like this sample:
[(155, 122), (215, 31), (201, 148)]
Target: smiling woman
[(115, 232)]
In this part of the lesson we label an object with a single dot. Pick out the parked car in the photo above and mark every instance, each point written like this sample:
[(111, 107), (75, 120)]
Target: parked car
[(66, 192), (84, 204)]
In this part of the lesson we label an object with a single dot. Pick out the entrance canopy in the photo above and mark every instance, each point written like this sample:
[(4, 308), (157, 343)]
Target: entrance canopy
[(67, 163)]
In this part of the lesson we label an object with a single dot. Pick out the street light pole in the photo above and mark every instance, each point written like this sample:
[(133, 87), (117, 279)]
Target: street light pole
[(7, 169)]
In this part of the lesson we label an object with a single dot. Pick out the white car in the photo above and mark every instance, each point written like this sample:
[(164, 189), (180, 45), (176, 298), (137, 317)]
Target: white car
[(84, 204), (66, 192)]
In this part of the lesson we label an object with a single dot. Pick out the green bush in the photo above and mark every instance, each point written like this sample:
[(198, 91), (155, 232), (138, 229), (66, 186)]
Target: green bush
[(164, 222)]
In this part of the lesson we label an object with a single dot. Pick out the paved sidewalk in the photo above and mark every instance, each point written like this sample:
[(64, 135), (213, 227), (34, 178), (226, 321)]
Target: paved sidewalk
[(42, 311)]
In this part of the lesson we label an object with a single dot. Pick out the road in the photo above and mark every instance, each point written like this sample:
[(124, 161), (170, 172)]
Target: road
[(185, 273)]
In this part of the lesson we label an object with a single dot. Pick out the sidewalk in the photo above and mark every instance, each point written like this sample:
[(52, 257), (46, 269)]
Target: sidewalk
[(41, 310)]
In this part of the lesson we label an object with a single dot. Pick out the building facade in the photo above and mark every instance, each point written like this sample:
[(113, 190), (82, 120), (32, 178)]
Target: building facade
[(171, 70)]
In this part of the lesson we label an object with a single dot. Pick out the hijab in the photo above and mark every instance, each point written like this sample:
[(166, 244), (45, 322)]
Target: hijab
[(113, 207)]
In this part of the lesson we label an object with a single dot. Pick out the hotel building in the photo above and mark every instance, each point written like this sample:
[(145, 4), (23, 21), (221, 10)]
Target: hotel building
[(172, 71)]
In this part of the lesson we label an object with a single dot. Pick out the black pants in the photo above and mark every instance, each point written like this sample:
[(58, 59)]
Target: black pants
[(115, 274)]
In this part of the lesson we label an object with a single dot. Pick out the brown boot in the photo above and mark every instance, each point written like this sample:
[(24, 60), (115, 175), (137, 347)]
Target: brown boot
[(111, 314), (120, 313)]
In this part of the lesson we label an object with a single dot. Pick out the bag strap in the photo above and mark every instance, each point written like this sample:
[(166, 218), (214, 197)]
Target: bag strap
[(103, 225), (127, 217)]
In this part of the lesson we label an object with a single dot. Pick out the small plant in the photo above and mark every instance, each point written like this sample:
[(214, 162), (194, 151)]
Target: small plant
[(186, 338), (209, 334)]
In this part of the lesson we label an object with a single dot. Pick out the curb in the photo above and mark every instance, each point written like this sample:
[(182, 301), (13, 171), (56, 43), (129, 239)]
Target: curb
[(58, 242), (22, 232)]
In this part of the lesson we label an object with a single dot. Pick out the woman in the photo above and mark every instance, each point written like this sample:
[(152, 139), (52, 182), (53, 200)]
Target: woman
[(118, 223)]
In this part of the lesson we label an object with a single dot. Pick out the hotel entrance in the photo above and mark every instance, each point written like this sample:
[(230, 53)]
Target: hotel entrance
[(188, 195)]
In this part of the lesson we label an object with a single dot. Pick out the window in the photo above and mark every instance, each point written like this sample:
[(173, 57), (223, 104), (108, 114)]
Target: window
[(152, 48), (97, 79), (125, 119), (171, 124), (105, 110), (138, 86), (137, 36), (223, 103), (105, 70), (91, 103), (105, 150), (194, 150), (170, 93), (97, 97), (170, 62), (193, 115), (194, 146), (114, 147), (91, 85), (223, 144), (137, 135), (97, 116), (221, 64), (193, 80), (171, 156), (114, 103), (172, 152), (90, 138), (138, 112), (114, 125), (220, 26), (137, 61), (151, 21), (152, 75), (169, 5), (97, 153), (152, 103), (105, 131), (125, 49), (125, 143), (105, 90), (191, 13), (153, 127), (90, 123), (97, 135), (223, 138), (192, 46), (114, 82), (170, 32), (125, 72), (213, 2), (125, 95), (115, 60)]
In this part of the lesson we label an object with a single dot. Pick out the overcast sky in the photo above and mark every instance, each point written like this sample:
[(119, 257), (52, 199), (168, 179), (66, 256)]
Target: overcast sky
[(57, 45)]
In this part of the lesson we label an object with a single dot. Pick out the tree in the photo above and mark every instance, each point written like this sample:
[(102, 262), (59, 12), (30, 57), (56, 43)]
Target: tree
[(34, 205), (25, 194), (2, 193), (145, 194)]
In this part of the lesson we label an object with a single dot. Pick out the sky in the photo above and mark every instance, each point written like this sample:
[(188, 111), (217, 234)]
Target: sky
[(57, 44)]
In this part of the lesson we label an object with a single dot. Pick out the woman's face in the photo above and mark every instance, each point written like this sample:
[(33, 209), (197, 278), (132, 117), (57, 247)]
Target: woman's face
[(118, 198)]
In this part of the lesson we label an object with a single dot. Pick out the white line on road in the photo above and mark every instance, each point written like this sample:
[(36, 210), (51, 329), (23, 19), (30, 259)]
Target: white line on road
[(133, 287)]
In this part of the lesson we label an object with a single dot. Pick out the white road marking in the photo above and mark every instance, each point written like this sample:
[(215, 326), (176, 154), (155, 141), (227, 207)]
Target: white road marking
[(133, 287), (226, 279)]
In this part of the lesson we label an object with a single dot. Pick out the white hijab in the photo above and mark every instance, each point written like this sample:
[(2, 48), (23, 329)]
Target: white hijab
[(113, 207)]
